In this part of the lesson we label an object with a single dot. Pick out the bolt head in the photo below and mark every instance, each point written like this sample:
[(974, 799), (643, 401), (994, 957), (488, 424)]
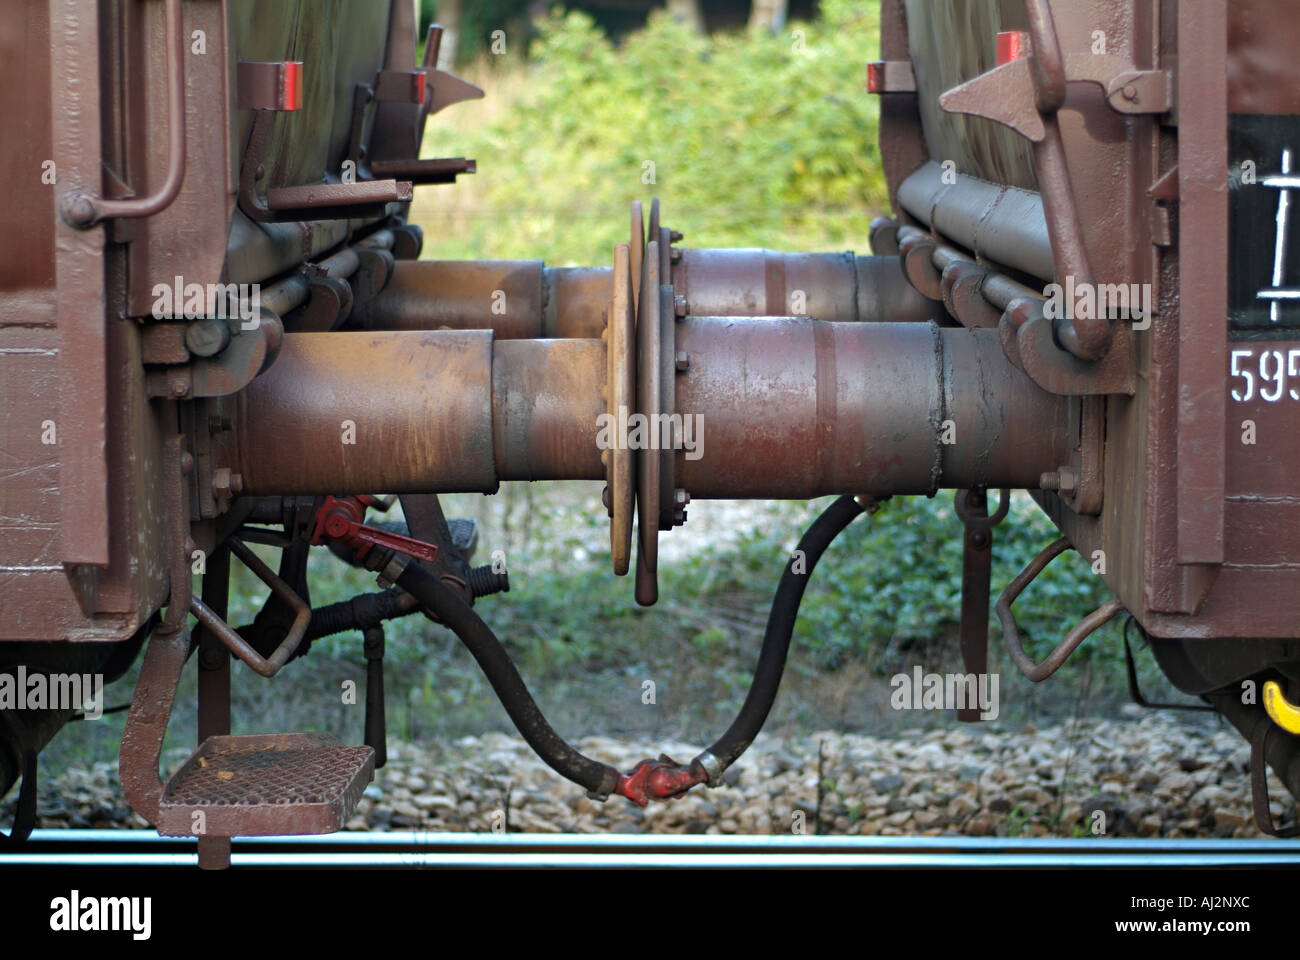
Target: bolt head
[(78, 210), (680, 306), (206, 337), (683, 361), (1130, 92)]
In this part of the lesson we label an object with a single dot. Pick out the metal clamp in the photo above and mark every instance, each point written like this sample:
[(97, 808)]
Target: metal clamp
[(1011, 631), (266, 666)]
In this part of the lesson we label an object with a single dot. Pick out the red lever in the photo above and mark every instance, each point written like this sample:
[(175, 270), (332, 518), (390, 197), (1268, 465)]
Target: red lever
[(339, 520)]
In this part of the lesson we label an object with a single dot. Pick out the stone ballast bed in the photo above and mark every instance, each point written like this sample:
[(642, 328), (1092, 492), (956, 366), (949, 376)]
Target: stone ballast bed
[(1153, 776)]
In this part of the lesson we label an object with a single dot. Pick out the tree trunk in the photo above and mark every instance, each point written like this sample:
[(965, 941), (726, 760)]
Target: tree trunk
[(768, 15), (450, 16), (687, 12)]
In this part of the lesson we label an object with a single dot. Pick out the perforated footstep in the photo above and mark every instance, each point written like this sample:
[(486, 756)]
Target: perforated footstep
[(275, 784)]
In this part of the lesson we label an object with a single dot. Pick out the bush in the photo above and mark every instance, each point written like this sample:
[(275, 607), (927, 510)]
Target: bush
[(753, 140)]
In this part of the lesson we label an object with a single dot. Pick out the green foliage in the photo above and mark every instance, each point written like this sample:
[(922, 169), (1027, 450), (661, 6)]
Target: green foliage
[(478, 19), (759, 140), (888, 591), (893, 586)]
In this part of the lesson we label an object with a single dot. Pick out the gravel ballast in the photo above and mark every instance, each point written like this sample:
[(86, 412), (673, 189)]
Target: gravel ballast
[(1148, 777)]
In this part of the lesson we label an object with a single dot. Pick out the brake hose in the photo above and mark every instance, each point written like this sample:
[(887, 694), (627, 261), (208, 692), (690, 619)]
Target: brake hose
[(600, 779), (650, 779)]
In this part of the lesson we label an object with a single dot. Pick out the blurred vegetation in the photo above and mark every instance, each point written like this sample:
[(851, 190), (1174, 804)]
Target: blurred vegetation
[(763, 140), (755, 144)]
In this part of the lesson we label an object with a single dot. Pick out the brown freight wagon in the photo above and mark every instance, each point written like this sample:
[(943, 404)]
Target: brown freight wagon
[(217, 331)]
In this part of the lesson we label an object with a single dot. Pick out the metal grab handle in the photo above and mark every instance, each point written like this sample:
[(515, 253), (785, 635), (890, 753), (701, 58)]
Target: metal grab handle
[(1011, 632), (266, 666), (82, 211)]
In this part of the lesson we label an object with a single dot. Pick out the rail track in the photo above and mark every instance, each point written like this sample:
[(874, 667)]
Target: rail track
[(142, 848)]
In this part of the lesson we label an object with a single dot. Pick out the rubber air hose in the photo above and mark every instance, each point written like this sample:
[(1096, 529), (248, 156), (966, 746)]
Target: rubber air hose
[(599, 778), (776, 638)]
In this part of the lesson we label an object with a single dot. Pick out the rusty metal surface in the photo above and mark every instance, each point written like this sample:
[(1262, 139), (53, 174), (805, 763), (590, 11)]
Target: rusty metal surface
[(1199, 528), (86, 209), (213, 623), (649, 405), (146, 723), (188, 238), (1085, 215), (1059, 371), (214, 687), (268, 84), (321, 197), (393, 135), (976, 579), (620, 393), (782, 419), (902, 140), (547, 398), (1003, 224), (80, 306), (504, 296), (440, 170), (420, 403), (266, 785), (1203, 283), (836, 287), (82, 495), (524, 299), (1004, 95), (1038, 672), (1262, 42), (169, 647), (575, 299)]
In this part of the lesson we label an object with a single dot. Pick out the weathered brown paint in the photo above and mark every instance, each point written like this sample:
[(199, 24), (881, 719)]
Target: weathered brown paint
[(421, 405)]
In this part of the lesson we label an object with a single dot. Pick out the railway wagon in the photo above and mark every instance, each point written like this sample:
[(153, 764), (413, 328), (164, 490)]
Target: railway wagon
[(217, 331)]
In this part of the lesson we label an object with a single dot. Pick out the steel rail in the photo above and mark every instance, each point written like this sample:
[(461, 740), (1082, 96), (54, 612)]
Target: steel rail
[(143, 848)]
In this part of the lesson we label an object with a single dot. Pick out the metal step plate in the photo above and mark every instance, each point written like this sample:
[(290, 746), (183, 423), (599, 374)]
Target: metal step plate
[(275, 784)]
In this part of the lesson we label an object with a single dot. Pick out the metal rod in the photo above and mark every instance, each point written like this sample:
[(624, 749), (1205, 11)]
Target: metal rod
[(1011, 632), (85, 211), (214, 687)]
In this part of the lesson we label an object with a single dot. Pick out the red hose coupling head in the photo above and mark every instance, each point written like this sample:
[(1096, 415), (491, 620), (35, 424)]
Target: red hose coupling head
[(660, 779)]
